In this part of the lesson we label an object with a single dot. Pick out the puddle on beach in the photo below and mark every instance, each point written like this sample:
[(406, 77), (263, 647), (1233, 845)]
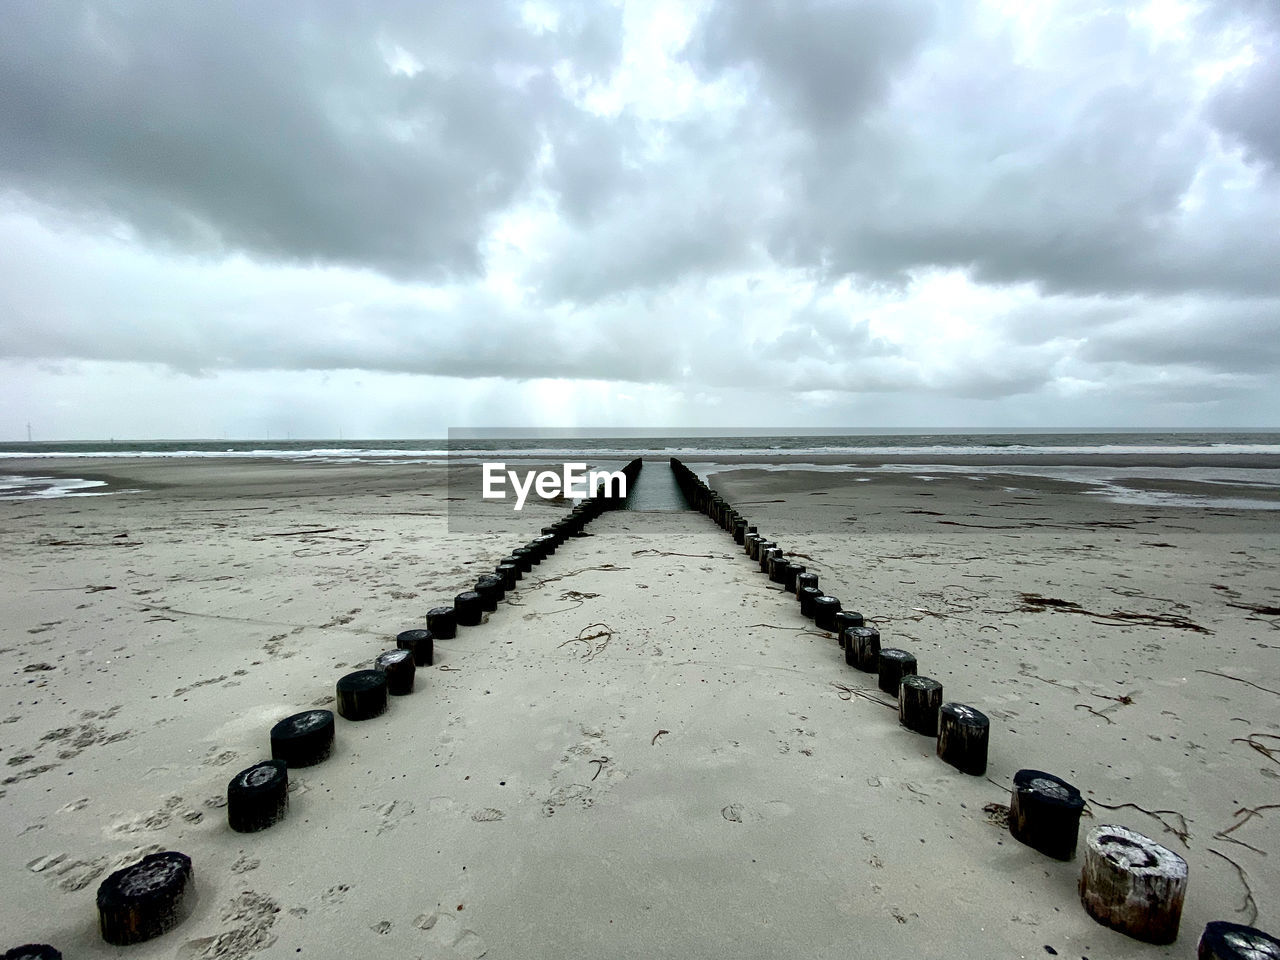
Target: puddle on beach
[(48, 488)]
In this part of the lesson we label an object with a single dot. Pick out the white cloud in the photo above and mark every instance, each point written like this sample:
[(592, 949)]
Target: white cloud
[(857, 213)]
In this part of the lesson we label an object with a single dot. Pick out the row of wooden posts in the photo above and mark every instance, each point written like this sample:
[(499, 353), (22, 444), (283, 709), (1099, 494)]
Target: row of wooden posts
[(1128, 882), (142, 901)]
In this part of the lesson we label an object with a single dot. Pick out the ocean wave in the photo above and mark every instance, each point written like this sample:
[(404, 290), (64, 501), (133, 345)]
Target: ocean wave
[(358, 454)]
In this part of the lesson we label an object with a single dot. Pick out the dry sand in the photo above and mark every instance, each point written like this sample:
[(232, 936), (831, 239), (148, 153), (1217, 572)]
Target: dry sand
[(694, 783)]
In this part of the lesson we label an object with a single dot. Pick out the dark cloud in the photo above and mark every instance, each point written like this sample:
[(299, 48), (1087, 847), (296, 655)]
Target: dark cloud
[(1215, 337), (283, 131), (821, 60), (1245, 109), (1072, 173), (770, 203)]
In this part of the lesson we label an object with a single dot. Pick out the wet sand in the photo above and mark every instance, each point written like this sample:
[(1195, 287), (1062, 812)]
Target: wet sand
[(697, 779)]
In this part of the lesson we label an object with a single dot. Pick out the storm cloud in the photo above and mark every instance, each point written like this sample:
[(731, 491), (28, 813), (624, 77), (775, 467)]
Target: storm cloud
[(847, 212)]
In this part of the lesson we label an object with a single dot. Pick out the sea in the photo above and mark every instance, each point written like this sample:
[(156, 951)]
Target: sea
[(700, 448), (885, 444)]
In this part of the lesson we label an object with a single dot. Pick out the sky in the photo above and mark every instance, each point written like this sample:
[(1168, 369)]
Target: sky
[(393, 217)]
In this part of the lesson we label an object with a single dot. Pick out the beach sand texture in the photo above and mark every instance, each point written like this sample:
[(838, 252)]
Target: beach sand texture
[(646, 751)]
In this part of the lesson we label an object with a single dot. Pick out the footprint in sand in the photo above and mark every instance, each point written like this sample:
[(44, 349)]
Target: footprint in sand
[(335, 894), (589, 753), (755, 812), (446, 930), (218, 758), (174, 807), (72, 875), (252, 916), (389, 813), (575, 794)]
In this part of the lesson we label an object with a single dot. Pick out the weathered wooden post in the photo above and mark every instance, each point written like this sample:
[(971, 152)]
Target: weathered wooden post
[(807, 597), (508, 573), (258, 797), (468, 609), (442, 622), (963, 733), (399, 668), (894, 665), (420, 643), (304, 739), (862, 648), (1044, 813), (825, 609), (767, 556), (778, 566), (362, 695), (789, 581), (145, 900), (1223, 940), (1132, 884), (490, 589), (844, 620), (919, 700), (32, 951)]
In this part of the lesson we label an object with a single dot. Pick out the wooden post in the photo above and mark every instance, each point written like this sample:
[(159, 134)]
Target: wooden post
[(508, 573), (766, 557), (825, 609), (919, 700), (399, 668), (844, 620), (362, 695), (1223, 940), (1044, 813), (145, 900), (420, 643), (963, 733), (894, 665), (1132, 884), (32, 951), (490, 589), (303, 739), (468, 609), (789, 581), (442, 622), (807, 596), (862, 648), (778, 565), (258, 797)]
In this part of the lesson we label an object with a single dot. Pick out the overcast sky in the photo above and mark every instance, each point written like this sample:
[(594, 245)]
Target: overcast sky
[(389, 218)]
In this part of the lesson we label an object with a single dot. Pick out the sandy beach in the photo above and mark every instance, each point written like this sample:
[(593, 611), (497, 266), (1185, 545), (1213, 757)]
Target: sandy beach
[(646, 750)]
